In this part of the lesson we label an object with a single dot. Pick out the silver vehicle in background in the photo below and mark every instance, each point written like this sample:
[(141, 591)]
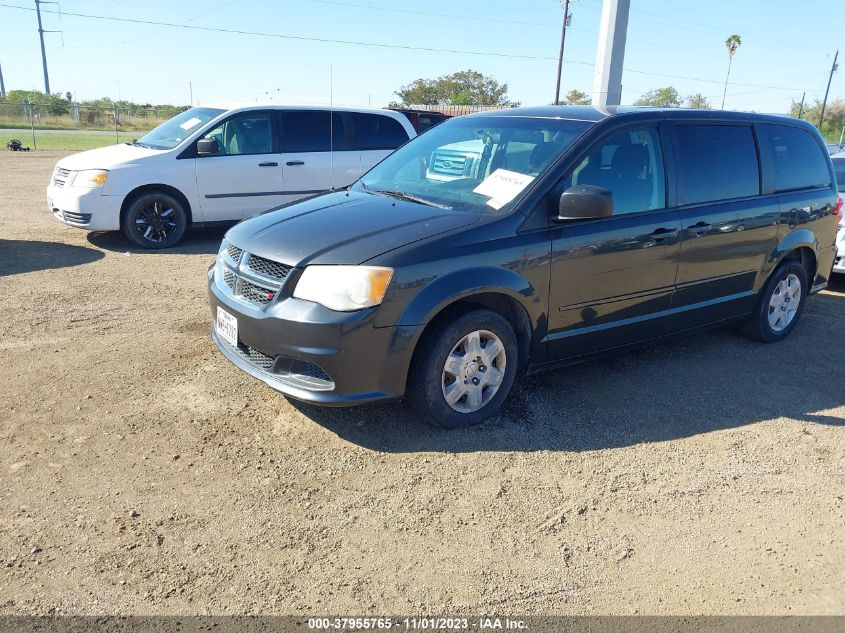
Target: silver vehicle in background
[(839, 168)]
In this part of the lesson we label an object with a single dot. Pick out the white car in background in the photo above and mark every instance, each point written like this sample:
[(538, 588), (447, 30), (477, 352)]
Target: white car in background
[(220, 164), (839, 168)]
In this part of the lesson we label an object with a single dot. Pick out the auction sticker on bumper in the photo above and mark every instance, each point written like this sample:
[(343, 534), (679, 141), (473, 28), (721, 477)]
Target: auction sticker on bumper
[(227, 327)]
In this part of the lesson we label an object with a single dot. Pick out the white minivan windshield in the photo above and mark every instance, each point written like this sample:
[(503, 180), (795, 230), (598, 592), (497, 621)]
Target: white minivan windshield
[(173, 131), (474, 164)]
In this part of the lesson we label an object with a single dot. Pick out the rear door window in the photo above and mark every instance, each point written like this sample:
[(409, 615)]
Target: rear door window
[(312, 131), (798, 161), (716, 162), (376, 131)]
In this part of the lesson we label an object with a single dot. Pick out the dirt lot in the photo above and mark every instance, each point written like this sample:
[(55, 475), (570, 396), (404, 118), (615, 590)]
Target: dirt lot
[(141, 473)]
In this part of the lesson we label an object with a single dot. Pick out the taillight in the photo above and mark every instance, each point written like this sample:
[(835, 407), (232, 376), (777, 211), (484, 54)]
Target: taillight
[(837, 209)]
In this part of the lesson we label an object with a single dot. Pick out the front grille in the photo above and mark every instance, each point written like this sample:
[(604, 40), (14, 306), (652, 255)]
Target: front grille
[(297, 373), (268, 267), (254, 293), (76, 218), (61, 176), (235, 253), (450, 162), (311, 370), (253, 280), (253, 356)]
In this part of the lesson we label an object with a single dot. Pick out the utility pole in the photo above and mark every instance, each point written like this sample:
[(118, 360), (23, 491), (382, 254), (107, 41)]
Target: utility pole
[(801, 107), (43, 52), (613, 31), (566, 18), (2, 85), (191, 90), (830, 77)]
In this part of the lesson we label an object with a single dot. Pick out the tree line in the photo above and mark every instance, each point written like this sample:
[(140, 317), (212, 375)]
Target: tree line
[(57, 104)]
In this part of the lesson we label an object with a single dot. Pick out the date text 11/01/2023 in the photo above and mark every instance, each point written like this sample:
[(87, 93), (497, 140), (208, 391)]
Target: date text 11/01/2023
[(418, 624)]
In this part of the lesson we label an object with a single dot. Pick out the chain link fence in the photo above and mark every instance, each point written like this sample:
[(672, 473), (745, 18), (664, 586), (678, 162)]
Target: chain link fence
[(72, 125)]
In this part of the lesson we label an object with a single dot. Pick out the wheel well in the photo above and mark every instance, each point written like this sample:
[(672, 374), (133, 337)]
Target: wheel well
[(807, 258), (173, 191), (504, 305)]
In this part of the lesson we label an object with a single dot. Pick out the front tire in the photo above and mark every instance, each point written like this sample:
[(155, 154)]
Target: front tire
[(465, 369), (155, 220), (780, 304)]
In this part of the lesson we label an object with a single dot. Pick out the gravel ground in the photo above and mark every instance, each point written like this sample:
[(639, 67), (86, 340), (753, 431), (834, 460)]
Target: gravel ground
[(140, 473)]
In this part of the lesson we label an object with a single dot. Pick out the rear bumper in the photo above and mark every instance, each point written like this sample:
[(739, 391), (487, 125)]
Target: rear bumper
[(84, 208), (316, 355)]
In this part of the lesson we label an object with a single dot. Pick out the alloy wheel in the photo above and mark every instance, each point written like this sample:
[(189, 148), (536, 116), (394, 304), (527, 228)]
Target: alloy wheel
[(156, 222)]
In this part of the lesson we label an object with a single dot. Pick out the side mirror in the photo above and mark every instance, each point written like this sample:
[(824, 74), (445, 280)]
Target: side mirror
[(585, 202), (207, 146)]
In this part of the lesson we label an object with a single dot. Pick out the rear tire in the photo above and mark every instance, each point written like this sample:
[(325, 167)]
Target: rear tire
[(780, 304), (465, 369), (155, 219)]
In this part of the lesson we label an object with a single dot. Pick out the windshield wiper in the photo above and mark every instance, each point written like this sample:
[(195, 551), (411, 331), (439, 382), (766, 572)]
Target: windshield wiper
[(136, 143), (411, 198)]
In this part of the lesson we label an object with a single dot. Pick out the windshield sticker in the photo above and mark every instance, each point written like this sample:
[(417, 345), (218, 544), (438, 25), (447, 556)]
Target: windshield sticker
[(502, 186), (192, 122)]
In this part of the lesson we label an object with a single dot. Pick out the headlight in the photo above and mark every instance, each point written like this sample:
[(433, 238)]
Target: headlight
[(344, 288), (90, 178)]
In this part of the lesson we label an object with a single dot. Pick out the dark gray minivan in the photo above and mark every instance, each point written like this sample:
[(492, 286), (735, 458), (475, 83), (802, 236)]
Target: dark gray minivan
[(518, 240)]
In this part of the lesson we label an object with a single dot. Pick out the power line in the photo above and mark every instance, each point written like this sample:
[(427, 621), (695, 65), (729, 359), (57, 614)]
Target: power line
[(323, 40), (453, 16), (300, 38)]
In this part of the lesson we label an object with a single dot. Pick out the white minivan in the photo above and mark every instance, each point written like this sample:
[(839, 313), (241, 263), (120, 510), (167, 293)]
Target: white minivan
[(220, 164)]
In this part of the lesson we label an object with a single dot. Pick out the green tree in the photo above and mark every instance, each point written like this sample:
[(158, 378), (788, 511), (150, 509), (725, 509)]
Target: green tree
[(50, 104), (466, 87), (576, 97), (731, 45), (666, 97), (834, 116), (698, 101)]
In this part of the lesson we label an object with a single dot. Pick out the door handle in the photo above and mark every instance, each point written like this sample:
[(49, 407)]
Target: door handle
[(699, 229), (268, 164), (294, 163), (662, 234)]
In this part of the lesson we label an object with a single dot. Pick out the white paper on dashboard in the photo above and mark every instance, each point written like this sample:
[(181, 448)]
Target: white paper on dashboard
[(503, 186), (187, 125)]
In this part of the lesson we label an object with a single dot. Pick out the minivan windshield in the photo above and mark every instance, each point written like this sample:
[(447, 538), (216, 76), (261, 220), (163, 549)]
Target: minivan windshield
[(173, 131), (473, 164)]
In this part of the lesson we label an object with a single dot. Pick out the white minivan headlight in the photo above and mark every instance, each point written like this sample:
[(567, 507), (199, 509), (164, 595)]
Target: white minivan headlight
[(344, 288), (90, 178)]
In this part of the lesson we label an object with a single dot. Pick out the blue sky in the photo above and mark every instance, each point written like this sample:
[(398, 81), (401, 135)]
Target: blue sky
[(787, 48)]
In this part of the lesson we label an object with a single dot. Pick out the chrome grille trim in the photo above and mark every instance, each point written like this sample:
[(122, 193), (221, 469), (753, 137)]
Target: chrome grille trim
[(61, 176), (452, 163), (238, 277)]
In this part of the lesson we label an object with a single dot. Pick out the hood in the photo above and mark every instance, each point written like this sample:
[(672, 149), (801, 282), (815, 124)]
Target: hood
[(107, 157), (342, 228)]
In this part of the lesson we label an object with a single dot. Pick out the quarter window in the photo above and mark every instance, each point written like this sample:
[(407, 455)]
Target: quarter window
[(630, 165), (312, 131), (716, 162), (374, 131), (797, 159), (245, 133)]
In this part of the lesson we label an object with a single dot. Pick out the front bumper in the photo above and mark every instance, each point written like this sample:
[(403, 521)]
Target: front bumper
[(314, 354), (84, 208)]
